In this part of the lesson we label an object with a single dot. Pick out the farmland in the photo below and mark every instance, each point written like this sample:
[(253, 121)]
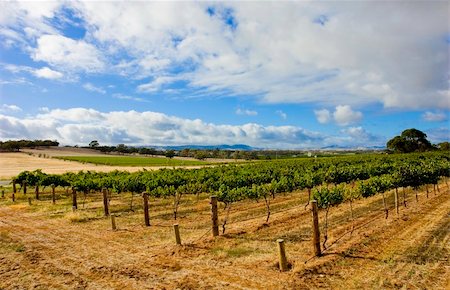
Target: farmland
[(58, 248), (383, 224), (132, 161), (30, 159)]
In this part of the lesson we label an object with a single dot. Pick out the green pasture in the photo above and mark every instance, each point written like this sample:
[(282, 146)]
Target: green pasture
[(133, 161)]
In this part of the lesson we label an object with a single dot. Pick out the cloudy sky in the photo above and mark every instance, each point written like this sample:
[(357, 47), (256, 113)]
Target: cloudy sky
[(279, 74)]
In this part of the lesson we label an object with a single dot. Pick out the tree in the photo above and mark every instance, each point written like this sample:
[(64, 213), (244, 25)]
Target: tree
[(444, 146), (94, 144), (411, 140), (170, 153)]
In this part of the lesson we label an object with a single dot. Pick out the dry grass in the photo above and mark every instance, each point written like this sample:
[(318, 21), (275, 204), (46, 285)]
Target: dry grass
[(14, 163), (49, 246)]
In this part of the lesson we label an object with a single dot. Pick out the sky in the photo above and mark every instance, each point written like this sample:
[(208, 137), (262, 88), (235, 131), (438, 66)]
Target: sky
[(284, 74)]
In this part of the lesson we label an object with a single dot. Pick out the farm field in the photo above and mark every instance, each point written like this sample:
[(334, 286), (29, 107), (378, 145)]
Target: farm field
[(14, 163), (48, 246), (133, 161)]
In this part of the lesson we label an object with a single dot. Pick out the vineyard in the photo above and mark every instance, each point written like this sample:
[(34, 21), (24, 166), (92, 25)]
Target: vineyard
[(360, 200), (329, 181)]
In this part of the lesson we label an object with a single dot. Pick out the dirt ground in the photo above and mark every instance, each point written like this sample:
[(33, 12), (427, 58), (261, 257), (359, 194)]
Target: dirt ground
[(47, 246), (11, 164)]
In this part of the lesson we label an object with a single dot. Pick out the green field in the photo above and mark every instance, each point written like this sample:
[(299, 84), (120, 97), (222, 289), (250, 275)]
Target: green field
[(132, 161)]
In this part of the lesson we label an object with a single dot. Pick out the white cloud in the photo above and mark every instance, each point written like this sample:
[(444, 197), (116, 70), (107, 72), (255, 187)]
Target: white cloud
[(276, 52), (63, 52), (435, 117), (157, 84), (240, 111), (10, 108), (124, 97), (323, 116), (81, 125), (282, 114), (47, 73), (344, 115), (44, 72), (95, 89)]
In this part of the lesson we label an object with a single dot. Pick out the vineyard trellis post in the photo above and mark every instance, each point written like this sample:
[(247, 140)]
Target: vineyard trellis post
[(105, 201), (14, 185), (53, 194), (214, 216), (36, 191), (146, 215), (3, 194), (177, 234), (13, 197), (316, 231), (113, 222), (74, 199), (396, 200), (282, 255), (24, 187)]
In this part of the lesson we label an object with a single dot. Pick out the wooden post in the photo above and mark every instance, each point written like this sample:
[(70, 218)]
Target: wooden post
[(396, 200), (13, 196), (316, 231), (3, 194), (53, 194), (177, 234), (214, 216), (24, 187), (146, 215), (113, 222), (74, 199), (282, 255), (29, 201), (36, 191), (105, 201), (14, 186)]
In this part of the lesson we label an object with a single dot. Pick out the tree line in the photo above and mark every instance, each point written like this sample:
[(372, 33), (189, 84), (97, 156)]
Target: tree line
[(14, 146)]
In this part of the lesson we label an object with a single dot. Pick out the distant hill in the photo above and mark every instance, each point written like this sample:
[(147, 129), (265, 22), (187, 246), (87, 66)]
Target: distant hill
[(242, 147), (338, 147)]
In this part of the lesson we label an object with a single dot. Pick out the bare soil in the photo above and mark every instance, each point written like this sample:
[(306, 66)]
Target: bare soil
[(47, 246), (11, 164)]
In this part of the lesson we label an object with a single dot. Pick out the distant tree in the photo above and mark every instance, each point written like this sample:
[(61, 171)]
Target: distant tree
[(121, 148), (201, 154), (170, 153), (411, 140), (147, 151), (94, 144), (185, 152), (444, 146)]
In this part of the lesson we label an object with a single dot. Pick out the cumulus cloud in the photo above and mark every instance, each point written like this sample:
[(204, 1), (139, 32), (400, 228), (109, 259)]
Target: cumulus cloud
[(95, 89), (268, 50), (10, 108), (64, 52), (81, 125), (323, 116), (240, 111), (343, 115), (435, 117), (47, 73)]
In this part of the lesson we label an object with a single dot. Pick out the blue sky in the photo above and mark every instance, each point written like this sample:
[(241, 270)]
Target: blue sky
[(266, 74)]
